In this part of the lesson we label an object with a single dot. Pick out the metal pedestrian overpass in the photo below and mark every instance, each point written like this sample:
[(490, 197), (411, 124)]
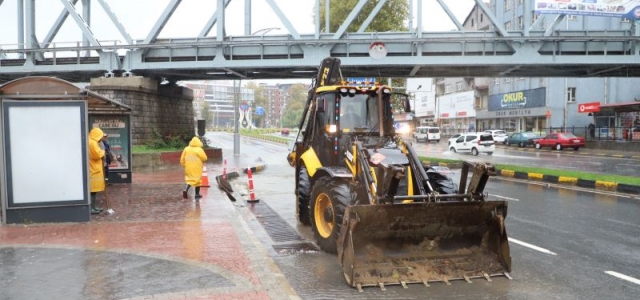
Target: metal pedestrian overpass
[(543, 49)]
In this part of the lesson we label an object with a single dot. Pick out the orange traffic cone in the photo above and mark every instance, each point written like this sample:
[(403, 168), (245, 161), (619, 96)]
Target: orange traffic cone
[(205, 177), (224, 169), (252, 196)]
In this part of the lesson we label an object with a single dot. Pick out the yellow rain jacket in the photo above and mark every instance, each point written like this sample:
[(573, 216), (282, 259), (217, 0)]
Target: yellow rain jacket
[(96, 170), (192, 159)]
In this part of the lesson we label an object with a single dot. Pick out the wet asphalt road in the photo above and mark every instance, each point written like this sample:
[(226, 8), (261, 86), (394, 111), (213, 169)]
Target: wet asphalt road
[(566, 159), (583, 237)]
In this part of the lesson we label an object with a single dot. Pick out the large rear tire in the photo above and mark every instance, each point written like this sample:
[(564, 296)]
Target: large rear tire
[(329, 198), (474, 151), (558, 147), (304, 191)]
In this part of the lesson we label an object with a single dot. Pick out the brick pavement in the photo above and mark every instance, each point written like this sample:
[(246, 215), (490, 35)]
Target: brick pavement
[(155, 246)]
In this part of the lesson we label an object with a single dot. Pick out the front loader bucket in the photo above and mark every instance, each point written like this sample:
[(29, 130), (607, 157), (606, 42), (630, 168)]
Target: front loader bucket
[(423, 242)]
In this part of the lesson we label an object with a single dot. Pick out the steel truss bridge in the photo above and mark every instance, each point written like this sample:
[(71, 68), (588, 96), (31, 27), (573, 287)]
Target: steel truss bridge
[(536, 51)]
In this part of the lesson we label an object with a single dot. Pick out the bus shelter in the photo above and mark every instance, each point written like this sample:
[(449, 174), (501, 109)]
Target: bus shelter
[(44, 170)]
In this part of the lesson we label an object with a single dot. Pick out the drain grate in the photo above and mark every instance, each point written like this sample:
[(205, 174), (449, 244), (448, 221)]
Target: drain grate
[(295, 248), (277, 228)]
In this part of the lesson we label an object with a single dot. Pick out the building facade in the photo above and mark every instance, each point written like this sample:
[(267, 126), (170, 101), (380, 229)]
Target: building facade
[(219, 96), (537, 104)]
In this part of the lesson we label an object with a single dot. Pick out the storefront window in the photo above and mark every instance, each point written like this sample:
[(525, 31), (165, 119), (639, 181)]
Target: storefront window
[(510, 125)]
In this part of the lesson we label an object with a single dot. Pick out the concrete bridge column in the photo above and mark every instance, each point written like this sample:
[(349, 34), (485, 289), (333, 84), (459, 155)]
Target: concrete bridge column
[(167, 109)]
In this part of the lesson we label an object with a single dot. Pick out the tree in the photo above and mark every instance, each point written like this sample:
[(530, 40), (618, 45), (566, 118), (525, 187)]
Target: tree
[(390, 18), (205, 113), (297, 100)]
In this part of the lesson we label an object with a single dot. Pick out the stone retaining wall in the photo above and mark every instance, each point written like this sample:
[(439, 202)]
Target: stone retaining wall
[(166, 159), (166, 109)]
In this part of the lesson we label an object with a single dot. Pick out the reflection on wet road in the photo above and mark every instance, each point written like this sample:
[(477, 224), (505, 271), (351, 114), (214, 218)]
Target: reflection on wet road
[(594, 237), (551, 159)]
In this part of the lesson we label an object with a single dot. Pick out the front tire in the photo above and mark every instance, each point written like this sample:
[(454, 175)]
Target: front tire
[(304, 191), (521, 145), (474, 151), (452, 150), (538, 146), (329, 198), (558, 147)]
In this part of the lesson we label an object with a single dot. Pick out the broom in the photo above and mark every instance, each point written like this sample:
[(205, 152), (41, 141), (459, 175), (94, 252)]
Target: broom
[(108, 210)]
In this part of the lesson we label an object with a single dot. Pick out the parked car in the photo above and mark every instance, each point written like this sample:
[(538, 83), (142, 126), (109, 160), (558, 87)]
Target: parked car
[(560, 140), (285, 131), (499, 136), (427, 134), (522, 139), (474, 143), (453, 138)]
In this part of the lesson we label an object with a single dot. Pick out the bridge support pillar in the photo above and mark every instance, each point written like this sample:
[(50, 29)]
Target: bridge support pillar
[(166, 109)]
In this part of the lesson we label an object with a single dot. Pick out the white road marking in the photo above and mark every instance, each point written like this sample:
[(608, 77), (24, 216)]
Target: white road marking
[(543, 250), (622, 276), (504, 197)]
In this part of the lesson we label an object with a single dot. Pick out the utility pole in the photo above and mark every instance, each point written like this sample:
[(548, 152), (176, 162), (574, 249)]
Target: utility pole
[(236, 119)]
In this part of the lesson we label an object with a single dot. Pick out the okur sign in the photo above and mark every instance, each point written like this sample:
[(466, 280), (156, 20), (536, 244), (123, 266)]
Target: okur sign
[(520, 99)]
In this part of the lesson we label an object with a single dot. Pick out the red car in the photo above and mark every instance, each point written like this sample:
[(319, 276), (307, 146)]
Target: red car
[(560, 140)]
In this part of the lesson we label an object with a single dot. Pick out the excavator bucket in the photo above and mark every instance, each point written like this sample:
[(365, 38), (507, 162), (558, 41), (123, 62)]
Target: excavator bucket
[(423, 242)]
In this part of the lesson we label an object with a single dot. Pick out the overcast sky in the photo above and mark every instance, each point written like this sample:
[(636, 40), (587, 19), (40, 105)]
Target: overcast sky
[(139, 16)]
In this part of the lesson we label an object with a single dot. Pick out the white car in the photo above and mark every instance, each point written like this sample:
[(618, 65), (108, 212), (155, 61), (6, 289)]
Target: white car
[(453, 138), (474, 143), (499, 136), (427, 134)]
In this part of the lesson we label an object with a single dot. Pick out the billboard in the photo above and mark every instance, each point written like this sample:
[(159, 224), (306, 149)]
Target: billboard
[(629, 9), (520, 99), (458, 105)]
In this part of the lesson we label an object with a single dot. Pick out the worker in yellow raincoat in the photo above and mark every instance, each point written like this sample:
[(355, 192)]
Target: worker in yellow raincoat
[(192, 159), (96, 167)]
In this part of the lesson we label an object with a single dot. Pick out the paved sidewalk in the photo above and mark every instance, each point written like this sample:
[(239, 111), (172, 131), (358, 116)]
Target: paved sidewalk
[(155, 246)]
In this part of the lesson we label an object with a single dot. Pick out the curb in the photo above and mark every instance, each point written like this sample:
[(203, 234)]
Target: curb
[(572, 181), (255, 169)]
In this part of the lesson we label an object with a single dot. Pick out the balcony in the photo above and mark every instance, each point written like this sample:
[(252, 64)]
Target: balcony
[(481, 83)]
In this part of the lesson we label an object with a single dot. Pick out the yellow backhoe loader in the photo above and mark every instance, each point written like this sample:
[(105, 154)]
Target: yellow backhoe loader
[(369, 199)]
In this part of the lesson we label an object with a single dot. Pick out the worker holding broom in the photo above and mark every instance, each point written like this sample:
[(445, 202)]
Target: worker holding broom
[(96, 167), (192, 159)]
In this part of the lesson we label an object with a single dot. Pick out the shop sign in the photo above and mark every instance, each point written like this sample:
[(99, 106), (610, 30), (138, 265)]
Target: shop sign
[(462, 114), (518, 99), (444, 115), (514, 113), (589, 107)]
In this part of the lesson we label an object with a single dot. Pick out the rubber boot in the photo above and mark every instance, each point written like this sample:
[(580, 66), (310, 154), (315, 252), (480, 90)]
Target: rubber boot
[(185, 191), (94, 209), (198, 196)]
